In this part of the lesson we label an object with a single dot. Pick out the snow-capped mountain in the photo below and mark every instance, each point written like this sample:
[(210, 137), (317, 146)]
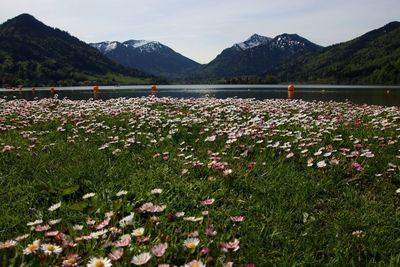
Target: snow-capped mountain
[(150, 56), (257, 55), (253, 41)]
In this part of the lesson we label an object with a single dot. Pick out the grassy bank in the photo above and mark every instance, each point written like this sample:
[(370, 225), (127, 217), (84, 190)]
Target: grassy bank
[(272, 182)]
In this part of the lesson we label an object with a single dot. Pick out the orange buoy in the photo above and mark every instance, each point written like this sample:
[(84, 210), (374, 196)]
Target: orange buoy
[(290, 94), (52, 90), (153, 88), (96, 88), (290, 88)]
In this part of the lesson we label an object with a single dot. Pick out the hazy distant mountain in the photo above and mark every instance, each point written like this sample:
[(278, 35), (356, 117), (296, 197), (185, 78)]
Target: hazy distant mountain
[(149, 56), (373, 58), (256, 55), (33, 53)]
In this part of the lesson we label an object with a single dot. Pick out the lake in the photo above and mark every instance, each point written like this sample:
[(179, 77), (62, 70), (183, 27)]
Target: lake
[(375, 95)]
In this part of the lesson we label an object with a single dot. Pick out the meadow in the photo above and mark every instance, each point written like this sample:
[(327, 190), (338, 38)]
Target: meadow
[(198, 182)]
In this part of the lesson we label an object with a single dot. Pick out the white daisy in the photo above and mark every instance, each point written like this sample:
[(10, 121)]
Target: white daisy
[(49, 249), (141, 258), (99, 262)]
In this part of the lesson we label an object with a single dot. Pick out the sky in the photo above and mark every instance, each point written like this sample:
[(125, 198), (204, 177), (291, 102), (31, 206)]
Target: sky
[(201, 29)]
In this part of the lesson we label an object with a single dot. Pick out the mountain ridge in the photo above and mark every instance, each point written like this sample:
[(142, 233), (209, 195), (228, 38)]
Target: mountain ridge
[(372, 58), (149, 56), (36, 54)]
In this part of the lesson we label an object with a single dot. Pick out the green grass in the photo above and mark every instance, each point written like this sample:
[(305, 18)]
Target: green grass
[(295, 215)]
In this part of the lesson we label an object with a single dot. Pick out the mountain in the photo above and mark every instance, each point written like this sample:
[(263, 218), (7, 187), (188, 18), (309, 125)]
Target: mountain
[(32, 53), (149, 56), (256, 55), (373, 58)]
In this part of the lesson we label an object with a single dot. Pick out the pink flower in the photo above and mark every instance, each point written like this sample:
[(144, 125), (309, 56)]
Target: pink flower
[(123, 242), (150, 207), (103, 224), (159, 250), (356, 166), (233, 245), (41, 228), (207, 202), (8, 244), (51, 234), (71, 260), (116, 254)]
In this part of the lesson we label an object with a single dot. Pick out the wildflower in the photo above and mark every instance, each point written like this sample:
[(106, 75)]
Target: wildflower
[(138, 232), (152, 208), (41, 228), (128, 220), (34, 223), (156, 191), (8, 244), (71, 260), (159, 250), (205, 251), (109, 214), (193, 219), (77, 227), (358, 233), (55, 206), (356, 166), (191, 243), (88, 195), (238, 218), (180, 214), (227, 172), (99, 262), (90, 222), (49, 249), (21, 237), (32, 248), (291, 154), (103, 224), (233, 245), (210, 138), (195, 263), (116, 254), (141, 258), (53, 222), (52, 234), (121, 193), (124, 241), (321, 164), (210, 230), (98, 234), (228, 264), (207, 202)]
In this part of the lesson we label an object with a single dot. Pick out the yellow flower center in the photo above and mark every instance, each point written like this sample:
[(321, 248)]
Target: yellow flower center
[(195, 265), (32, 247), (191, 245), (140, 261), (50, 248), (71, 260), (99, 264)]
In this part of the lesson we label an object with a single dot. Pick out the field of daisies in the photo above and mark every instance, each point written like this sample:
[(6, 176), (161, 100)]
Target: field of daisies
[(198, 182)]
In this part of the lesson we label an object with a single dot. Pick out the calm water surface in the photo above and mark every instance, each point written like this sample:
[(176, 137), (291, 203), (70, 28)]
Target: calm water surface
[(376, 95)]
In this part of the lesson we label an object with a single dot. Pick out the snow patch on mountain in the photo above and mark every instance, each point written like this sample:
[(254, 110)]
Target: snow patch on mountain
[(143, 45), (105, 46), (253, 41)]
